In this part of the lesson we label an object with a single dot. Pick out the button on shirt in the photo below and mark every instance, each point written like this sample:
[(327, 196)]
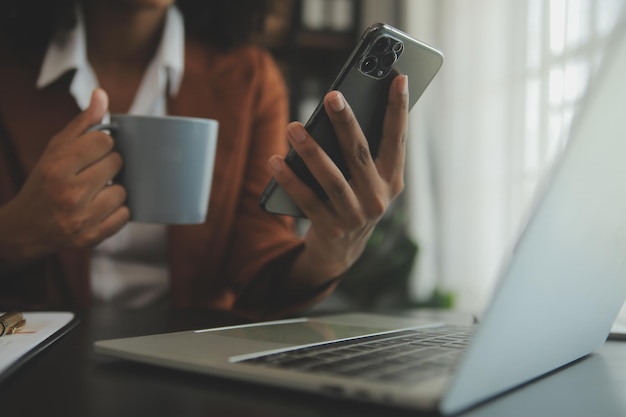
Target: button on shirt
[(130, 268)]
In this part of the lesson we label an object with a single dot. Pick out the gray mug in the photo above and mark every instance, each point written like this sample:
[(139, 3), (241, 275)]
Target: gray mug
[(167, 166)]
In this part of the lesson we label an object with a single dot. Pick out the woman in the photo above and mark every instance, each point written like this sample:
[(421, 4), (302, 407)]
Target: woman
[(65, 240)]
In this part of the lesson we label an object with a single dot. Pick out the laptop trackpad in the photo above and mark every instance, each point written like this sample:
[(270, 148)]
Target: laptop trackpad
[(297, 332)]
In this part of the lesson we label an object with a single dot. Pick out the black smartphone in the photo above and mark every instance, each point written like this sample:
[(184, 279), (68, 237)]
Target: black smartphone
[(382, 53)]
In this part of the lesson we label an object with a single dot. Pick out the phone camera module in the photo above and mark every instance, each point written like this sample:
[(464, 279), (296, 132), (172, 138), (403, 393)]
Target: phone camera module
[(380, 58)]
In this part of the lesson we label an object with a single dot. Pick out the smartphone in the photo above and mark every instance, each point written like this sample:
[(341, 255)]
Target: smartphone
[(382, 53)]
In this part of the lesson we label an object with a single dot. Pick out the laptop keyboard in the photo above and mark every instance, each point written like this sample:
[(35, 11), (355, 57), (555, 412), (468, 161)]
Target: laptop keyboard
[(407, 356)]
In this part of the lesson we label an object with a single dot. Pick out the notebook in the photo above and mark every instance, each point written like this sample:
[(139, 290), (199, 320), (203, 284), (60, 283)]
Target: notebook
[(557, 296), (42, 328)]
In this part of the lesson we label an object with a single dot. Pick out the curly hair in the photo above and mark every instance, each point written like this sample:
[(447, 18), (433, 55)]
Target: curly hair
[(29, 25)]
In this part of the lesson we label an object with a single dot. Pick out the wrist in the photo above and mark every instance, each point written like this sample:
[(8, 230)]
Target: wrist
[(313, 269)]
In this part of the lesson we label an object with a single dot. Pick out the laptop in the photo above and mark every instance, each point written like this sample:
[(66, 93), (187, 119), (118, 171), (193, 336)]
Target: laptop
[(557, 296)]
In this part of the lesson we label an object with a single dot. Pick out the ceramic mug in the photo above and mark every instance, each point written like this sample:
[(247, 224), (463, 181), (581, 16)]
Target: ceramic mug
[(167, 166)]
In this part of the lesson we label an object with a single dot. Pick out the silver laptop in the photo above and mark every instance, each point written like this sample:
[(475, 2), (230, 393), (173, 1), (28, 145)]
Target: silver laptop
[(556, 299)]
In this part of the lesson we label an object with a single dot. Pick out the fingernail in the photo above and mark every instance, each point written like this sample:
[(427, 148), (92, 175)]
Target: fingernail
[(296, 131), (337, 103), (403, 85), (100, 99), (276, 164)]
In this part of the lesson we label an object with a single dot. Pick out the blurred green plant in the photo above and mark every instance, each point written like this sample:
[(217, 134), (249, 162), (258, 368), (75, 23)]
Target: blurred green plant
[(438, 299)]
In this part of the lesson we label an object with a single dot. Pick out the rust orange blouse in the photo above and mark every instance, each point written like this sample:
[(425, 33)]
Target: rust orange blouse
[(238, 258)]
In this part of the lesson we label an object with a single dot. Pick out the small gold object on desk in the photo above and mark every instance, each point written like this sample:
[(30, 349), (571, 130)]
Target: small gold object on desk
[(11, 322)]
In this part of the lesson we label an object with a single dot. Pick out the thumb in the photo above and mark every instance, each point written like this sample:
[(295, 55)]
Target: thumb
[(93, 114)]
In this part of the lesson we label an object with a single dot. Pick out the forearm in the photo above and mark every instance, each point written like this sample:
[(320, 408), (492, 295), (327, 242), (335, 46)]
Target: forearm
[(18, 247)]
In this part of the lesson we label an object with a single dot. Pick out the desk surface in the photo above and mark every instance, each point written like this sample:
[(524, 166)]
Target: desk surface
[(70, 379)]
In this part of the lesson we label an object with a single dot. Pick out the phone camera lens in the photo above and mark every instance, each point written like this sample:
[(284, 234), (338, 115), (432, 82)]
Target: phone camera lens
[(381, 45), (369, 64), (388, 60), (397, 48)]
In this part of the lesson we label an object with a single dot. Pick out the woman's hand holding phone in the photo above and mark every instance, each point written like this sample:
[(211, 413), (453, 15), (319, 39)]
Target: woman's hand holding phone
[(342, 225), (346, 164), (365, 81)]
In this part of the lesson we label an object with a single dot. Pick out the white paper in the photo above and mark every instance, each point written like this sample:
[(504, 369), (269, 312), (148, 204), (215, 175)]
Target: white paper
[(39, 326)]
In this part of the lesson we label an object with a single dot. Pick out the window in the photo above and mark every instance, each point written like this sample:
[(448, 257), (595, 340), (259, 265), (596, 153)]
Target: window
[(566, 40), (491, 124)]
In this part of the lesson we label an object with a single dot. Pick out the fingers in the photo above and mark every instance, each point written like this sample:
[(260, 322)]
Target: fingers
[(92, 115), (366, 174), (304, 196), (319, 212), (88, 150), (373, 184), (71, 150), (100, 219), (323, 169), (392, 152), (109, 213), (113, 223), (98, 175), (353, 143)]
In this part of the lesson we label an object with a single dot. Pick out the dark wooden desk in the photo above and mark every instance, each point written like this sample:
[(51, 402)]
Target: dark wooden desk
[(70, 379)]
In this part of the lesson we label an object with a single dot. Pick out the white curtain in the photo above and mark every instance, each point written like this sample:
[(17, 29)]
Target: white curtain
[(489, 126)]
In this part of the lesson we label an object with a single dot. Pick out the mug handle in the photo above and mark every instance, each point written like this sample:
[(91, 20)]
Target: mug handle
[(103, 126)]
